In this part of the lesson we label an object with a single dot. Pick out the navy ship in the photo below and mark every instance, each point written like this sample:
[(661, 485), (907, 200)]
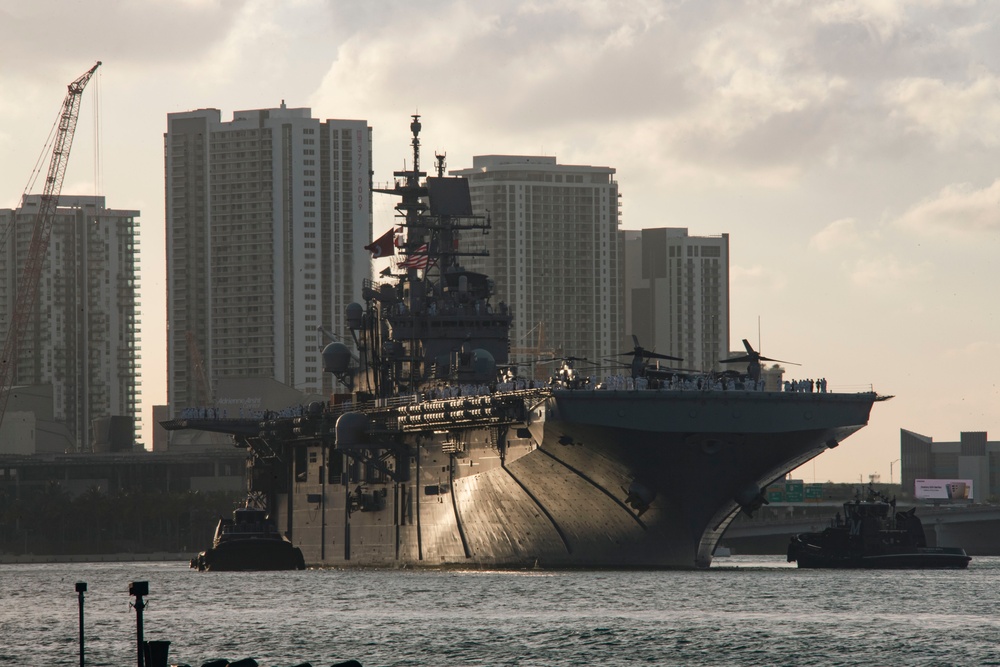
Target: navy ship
[(437, 453)]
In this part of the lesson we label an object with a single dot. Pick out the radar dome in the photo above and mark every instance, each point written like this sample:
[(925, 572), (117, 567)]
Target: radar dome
[(336, 358), (484, 366), (354, 313), (352, 430)]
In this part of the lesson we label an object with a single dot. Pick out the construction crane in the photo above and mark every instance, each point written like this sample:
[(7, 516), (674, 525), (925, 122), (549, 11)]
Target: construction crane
[(27, 285)]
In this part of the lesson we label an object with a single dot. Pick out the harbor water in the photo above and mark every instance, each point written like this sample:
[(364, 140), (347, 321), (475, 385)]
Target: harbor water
[(743, 611)]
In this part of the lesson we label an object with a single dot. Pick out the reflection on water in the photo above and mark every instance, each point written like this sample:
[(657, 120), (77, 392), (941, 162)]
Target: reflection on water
[(744, 610)]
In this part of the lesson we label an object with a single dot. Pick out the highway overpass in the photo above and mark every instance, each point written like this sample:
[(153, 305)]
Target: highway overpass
[(975, 528)]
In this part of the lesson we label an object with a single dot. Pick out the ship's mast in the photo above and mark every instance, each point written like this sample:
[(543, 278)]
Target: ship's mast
[(411, 209), (424, 327), (415, 129), (411, 205)]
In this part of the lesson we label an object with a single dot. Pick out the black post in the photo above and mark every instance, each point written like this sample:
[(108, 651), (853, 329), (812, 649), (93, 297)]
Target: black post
[(81, 588), (138, 589)]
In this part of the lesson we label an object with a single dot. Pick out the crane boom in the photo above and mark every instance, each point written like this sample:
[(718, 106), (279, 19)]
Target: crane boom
[(27, 285)]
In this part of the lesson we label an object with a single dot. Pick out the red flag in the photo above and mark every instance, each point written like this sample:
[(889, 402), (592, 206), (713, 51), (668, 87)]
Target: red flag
[(383, 247), (418, 259)]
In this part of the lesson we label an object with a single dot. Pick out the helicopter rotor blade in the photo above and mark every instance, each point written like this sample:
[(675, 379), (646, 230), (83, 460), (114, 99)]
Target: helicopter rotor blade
[(753, 356), (734, 360), (778, 361), (659, 355), (648, 354)]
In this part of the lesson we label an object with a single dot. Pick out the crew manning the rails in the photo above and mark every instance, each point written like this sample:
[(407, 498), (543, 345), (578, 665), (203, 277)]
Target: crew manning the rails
[(806, 386), (679, 383), (706, 383), (566, 379)]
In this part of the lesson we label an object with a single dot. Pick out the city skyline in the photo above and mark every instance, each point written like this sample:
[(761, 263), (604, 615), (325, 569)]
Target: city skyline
[(849, 150)]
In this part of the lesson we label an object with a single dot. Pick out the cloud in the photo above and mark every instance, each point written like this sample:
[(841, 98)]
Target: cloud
[(838, 234), (973, 352), (956, 113), (871, 273), (529, 65), (757, 278), (957, 211), (721, 92), (887, 273), (882, 18), (128, 33)]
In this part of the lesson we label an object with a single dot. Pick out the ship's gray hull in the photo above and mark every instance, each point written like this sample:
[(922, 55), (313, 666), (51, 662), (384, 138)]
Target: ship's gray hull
[(589, 479)]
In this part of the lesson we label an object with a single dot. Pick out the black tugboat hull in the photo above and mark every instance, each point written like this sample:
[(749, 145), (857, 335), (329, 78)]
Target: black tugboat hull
[(916, 561), (923, 558), (250, 555)]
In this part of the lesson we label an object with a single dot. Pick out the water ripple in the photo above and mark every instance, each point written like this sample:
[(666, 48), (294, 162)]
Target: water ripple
[(753, 612)]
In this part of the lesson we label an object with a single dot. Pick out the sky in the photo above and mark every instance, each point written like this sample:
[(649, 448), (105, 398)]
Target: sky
[(849, 148)]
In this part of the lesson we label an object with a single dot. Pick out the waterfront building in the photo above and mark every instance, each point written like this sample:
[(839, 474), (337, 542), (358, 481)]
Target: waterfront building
[(973, 457), (267, 217), (131, 503), (677, 294), (222, 469), (554, 253), (77, 373)]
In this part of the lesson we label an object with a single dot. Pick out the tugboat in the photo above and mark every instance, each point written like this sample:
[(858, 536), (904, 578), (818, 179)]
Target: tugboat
[(249, 541), (872, 534)]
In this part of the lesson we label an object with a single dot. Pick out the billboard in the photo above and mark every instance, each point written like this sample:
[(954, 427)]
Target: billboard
[(943, 489)]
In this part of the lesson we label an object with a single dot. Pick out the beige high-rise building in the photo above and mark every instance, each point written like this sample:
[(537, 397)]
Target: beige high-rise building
[(267, 217), (677, 294), (554, 252), (81, 346)]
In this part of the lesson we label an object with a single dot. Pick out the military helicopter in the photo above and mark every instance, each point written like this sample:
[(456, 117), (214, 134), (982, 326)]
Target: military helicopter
[(641, 356), (567, 375), (753, 359)]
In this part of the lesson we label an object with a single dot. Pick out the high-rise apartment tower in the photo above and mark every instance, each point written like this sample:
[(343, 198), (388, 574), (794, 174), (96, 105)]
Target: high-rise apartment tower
[(554, 252), (677, 294), (267, 217), (83, 337)]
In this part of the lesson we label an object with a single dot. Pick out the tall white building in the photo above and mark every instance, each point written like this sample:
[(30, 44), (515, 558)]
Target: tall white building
[(267, 217), (554, 252), (82, 341), (677, 294)]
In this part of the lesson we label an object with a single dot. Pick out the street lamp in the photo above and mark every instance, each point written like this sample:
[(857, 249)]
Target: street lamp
[(890, 469)]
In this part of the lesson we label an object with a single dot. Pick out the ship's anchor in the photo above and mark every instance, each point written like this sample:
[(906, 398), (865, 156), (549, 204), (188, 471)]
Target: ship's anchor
[(751, 499), (639, 497)]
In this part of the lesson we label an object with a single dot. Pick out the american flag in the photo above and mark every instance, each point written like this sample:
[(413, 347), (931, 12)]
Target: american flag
[(418, 259)]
